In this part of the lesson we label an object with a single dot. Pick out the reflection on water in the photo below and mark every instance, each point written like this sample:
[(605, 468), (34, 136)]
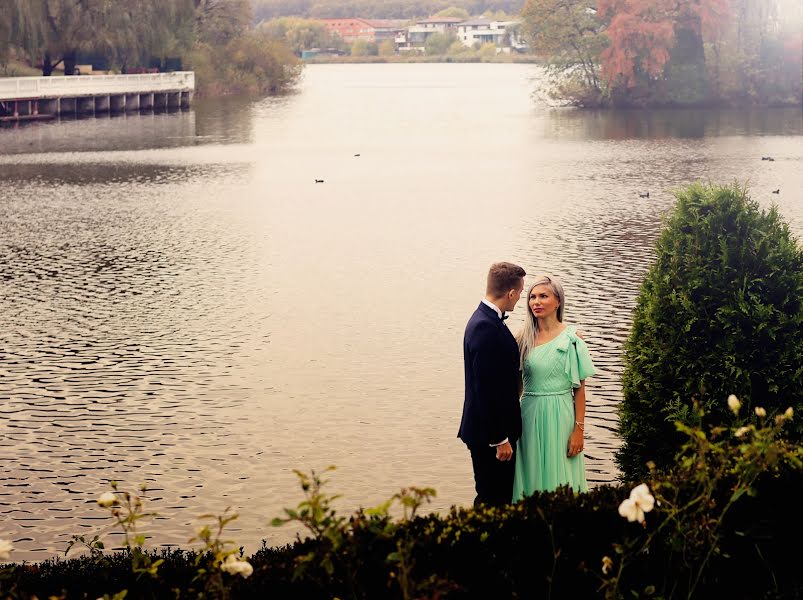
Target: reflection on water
[(90, 173), (183, 306), (682, 123), (227, 120)]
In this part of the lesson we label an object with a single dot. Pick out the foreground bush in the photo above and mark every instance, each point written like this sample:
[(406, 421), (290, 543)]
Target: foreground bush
[(720, 525), (721, 309)]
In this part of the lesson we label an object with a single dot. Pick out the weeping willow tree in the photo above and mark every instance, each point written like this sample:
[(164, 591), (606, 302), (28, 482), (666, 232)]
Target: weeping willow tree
[(53, 32), (5, 34), (144, 29), (213, 37)]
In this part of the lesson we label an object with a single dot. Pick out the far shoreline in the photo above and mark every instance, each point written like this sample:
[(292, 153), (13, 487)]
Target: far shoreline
[(507, 59), (397, 59)]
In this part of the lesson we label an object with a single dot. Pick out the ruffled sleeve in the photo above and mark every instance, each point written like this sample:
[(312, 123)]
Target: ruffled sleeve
[(578, 365)]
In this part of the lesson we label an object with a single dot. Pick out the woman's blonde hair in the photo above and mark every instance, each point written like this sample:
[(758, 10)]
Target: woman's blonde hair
[(526, 335)]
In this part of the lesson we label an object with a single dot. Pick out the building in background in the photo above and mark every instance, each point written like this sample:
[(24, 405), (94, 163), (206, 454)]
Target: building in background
[(415, 38), (502, 34), (472, 32), (387, 29), (351, 30)]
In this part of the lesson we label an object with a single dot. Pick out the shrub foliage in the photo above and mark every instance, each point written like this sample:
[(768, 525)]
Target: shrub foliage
[(720, 310), (249, 64), (721, 527)]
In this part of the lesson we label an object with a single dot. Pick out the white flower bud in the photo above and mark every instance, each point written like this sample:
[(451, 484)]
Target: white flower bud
[(741, 431), (734, 404), (761, 412), (788, 413), (107, 499)]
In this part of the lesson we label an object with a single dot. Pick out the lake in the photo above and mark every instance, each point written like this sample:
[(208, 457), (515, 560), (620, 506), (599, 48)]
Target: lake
[(182, 305)]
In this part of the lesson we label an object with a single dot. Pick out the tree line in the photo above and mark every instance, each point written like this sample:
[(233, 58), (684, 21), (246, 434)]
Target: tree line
[(668, 52), (302, 34), (376, 9), (215, 38)]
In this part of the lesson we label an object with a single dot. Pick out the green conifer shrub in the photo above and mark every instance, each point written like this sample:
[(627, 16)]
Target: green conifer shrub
[(720, 312)]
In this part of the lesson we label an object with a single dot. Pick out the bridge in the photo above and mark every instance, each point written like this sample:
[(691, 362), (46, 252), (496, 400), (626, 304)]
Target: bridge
[(24, 98)]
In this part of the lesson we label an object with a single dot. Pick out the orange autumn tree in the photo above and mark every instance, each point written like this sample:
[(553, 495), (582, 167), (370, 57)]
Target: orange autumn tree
[(659, 40)]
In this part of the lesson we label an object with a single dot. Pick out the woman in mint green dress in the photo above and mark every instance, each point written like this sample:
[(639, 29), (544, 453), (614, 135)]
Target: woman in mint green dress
[(555, 363)]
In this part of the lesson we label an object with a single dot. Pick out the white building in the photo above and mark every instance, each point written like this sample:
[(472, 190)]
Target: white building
[(502, 34)]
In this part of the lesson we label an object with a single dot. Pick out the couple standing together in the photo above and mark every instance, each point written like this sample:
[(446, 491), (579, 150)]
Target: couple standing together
[(524, 410)]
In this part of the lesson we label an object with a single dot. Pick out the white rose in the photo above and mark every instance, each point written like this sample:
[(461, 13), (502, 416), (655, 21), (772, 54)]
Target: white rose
[(246, 569), (5, 549), (734, 404), (236, 566), (641, 494), (630, 510), (639, 502), (107, 499), (760, 412)]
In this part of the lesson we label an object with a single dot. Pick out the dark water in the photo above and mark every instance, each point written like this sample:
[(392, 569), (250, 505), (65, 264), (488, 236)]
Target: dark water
[(182, 305)]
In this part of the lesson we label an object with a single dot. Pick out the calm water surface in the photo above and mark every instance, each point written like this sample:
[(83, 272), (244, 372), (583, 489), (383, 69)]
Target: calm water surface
[(183, 306)]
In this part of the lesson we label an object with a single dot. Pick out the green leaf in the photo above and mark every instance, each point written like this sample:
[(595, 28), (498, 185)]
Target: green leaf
[(737, 494)]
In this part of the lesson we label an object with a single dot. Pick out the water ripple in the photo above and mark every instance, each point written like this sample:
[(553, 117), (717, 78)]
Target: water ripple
[(182, 306)]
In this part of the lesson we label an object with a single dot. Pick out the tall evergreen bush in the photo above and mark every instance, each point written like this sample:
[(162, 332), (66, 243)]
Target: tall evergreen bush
[(720, 312)]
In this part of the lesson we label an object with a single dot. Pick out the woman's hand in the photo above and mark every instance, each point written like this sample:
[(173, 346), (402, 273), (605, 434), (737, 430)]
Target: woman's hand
[(575, 442)]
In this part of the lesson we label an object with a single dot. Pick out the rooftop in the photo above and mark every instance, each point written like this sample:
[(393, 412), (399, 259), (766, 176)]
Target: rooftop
[(447, 20)]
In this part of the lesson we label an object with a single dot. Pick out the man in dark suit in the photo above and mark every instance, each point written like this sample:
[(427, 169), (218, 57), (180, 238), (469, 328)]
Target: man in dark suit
[(491, 421)]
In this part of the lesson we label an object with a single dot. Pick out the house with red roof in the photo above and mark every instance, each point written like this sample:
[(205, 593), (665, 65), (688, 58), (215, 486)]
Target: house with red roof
[(351, 30)]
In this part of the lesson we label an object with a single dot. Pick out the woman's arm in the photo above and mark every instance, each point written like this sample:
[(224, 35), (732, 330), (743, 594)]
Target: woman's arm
[(576, 438)]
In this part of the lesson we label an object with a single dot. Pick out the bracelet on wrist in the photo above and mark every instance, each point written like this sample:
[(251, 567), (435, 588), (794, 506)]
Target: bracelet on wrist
[(582, 426)]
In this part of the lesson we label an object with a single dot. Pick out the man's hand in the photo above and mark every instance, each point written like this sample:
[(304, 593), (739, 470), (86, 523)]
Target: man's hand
[(504, 452)]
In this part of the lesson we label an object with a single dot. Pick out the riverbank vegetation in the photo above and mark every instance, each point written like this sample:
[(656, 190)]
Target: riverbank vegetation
[(665, 53), (215, 38), (712, 520), (483, 54)]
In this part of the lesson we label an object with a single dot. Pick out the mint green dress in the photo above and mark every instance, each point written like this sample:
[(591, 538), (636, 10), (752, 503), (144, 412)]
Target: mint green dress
[(551, 372)]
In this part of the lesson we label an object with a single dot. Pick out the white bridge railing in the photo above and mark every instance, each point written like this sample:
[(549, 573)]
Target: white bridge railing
[(30, 88)]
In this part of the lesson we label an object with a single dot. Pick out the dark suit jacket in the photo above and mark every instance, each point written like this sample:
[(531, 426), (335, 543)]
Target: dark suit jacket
[(491, 409)]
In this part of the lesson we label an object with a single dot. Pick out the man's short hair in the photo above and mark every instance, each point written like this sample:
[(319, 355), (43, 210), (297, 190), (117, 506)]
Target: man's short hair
[(503, 277)]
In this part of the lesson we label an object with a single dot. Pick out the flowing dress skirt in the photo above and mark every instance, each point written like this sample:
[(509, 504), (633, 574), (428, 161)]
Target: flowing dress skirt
[(542, 463)]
